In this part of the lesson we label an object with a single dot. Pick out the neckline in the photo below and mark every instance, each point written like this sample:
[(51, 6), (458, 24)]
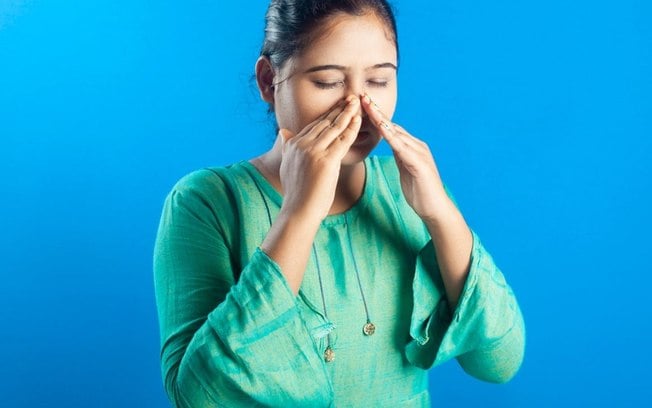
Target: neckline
[(331, 219)]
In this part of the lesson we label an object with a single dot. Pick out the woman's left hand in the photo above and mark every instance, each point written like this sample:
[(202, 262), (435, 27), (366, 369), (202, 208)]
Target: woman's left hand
[(420, 181)]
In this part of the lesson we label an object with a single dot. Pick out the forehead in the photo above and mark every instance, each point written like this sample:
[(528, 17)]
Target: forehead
[(347, 39)]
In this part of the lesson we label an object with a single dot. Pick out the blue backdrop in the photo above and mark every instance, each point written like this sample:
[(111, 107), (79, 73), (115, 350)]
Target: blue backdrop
[(539, 115)]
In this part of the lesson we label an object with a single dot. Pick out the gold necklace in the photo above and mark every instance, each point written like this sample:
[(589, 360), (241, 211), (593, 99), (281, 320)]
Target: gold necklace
[(369, 328)]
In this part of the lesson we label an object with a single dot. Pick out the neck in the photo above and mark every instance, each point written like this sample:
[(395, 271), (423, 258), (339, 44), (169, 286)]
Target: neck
[(350, 185)]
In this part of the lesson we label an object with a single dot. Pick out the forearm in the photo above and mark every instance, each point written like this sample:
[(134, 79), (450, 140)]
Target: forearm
[(288, 243), (453, 242), (226, 362)]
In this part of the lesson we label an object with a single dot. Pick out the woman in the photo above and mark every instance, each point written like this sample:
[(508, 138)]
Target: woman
[(314, 274)]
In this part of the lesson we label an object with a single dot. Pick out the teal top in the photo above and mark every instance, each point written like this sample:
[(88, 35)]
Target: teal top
[(233, 334)]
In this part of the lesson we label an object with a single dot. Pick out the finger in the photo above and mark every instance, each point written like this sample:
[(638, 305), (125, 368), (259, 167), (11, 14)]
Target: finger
[(323, 121), (350, 105), (341, 145), (408, 150), (330, 119), (409, 139), (338, 125), (395, 135), (414, 155), (372, 108), (330, 116), (382, 123), (376, 116), (285, 134)]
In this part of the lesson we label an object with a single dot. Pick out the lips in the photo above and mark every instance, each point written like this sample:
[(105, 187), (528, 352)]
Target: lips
[(366, 125), (366, 133), (364, 136)]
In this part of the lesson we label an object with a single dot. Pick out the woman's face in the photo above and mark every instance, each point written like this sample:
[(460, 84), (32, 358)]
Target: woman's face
[(350, 55)]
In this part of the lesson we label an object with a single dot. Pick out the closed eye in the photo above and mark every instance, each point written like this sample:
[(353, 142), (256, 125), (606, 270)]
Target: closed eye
[(328, 85), (378, 83), (373, 83)]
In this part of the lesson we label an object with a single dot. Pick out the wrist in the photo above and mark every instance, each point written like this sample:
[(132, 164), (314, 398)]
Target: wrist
[(291, 227), (300, 219), (288, 243), (302, 213), (441, 214)]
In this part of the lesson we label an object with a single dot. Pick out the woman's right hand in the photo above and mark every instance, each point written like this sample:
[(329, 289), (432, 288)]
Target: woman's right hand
[(311, 160)]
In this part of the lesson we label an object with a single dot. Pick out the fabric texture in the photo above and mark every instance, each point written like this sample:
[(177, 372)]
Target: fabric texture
[(233, 333)]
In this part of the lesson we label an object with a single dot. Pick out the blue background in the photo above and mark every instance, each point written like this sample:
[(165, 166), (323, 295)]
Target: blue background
[(539, 115)]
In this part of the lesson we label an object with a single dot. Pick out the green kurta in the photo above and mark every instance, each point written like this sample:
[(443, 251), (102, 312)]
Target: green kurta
[(233, 334)]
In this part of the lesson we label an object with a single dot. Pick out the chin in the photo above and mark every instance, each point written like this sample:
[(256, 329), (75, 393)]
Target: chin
[(351, 160)]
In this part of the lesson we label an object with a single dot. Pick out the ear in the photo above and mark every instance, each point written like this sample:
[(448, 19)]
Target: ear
[(265, 79)]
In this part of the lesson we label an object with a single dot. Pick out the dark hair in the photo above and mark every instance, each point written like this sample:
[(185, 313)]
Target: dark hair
[(289, 23)]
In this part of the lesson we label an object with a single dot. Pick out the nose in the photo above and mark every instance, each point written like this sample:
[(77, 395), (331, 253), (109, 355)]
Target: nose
[(356, 86), (358, 91), (361, 111)]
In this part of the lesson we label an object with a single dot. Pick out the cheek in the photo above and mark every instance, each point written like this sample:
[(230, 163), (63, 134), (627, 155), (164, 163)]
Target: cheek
[(305, 109), (312, 108), (294, 111), (386, 99), (311, 105)]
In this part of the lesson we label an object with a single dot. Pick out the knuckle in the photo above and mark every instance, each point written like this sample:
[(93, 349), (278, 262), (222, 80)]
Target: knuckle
[(310, 151), (342, 126), (344, 135)]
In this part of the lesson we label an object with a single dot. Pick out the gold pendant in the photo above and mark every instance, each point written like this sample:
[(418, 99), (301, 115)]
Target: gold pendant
[(369, 329), (329, 354)]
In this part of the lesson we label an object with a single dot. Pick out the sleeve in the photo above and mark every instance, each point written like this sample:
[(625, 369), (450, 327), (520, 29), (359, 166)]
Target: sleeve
[(486, 332), (225, 343)]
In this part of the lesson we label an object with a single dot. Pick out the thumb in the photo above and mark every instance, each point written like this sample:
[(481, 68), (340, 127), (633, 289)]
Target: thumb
[(285, 135)]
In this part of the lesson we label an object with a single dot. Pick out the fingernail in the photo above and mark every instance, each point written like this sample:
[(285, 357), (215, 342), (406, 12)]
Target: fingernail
[(366, 98)]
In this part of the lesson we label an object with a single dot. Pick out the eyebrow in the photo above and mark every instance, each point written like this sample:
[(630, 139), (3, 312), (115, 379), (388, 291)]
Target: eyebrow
[(343, 68)]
